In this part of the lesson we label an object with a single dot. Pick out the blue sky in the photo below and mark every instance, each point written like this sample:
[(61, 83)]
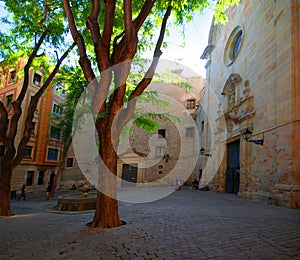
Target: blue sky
[(196, 38)]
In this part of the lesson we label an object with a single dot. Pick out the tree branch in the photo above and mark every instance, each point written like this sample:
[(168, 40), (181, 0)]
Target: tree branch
[(84, 61), (102, 51), (110, 6), (93, 26), (128, 18), (127, 113), (146, 9), (27, 67), (157, 53), (3, 121)]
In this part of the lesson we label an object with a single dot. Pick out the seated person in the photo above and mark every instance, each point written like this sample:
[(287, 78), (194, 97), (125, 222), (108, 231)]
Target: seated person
[(195, 185)]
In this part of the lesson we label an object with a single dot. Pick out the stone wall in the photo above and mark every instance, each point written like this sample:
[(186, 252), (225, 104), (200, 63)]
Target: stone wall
[(255, 92)]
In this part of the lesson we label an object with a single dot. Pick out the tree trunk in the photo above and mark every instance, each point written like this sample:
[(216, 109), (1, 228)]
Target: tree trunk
[(5, 176), (107, 211)]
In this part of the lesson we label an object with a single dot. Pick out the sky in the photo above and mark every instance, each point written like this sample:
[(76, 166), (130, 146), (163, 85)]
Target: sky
[(184, 51), (196, 39)]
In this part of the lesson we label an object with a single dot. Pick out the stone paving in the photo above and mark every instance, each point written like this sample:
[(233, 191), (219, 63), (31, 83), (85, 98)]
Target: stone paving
[(185, 225)]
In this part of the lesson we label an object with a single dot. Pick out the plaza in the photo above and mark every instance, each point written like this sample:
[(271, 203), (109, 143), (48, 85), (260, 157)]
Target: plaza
[(188, 224)]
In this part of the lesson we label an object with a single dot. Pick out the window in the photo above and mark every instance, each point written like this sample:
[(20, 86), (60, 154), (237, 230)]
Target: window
[(57, 109), (237, 44), (189, 131), (160, 152), (160, 166), (233, 45), (191, 103), (2, 150), (12, 76), (41, 177), (202, 126), (52, 154), (161, 133), (60, 90), (33, 124), (9, 99), (69, 162), (37, 79), (28, 152), (55, 132), (29, 178)]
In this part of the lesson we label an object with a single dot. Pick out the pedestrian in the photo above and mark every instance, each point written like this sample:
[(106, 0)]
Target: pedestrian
[(23, 193), (195, 185), (177, 184), (48, 191)]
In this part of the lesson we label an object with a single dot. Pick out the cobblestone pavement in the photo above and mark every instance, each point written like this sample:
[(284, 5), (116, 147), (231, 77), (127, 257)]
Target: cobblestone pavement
[(185, 225)]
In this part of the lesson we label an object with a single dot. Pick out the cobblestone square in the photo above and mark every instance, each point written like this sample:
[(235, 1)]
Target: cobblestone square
[(185, 225)]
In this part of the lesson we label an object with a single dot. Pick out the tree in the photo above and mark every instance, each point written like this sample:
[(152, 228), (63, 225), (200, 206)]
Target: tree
[(32, 28), (109, 34), (114, 29)]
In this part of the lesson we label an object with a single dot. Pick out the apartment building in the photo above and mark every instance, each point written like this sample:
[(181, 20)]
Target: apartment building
[(43, 151)]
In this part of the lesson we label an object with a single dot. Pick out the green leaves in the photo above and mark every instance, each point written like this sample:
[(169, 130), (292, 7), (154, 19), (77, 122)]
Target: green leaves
[(149, 121), (220, 8)]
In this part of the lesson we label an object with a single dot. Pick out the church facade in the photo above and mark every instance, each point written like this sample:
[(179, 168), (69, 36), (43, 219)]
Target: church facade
[(249, 118)]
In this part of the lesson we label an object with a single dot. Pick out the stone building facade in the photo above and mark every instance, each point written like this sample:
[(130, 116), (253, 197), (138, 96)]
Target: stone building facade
[(249, 117), (43, 152), (150, 158)]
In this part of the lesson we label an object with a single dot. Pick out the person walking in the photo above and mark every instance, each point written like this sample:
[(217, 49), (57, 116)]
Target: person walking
[(23, 193), (48, 191)]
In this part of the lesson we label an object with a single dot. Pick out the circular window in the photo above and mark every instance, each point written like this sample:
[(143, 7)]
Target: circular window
[(160, 166), (233, 45)]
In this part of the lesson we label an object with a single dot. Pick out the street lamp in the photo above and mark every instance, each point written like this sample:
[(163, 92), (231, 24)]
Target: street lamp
[(246, 134), (202, 152), (167, 157)]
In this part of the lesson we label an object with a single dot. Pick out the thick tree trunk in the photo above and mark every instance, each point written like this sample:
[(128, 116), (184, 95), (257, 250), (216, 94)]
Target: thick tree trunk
[(107, 211), (5, 176)]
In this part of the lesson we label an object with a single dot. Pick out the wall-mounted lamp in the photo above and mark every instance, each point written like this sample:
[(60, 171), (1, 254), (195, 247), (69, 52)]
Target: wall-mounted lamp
[(246, 134), (167, 157), (202, 152)]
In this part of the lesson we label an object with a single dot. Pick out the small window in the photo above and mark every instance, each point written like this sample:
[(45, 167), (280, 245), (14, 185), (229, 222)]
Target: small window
[(29, 178), (55, 132), (28, 152), (33, 125), (160, 166), (233, 45), (37, 79), (41, 177), (12, 76), (57, 109), (160, 152), (60, 90), (202, 126), (52, 154), (161, 133), (237, 44), (189, 131), (191, 103), (69, 162), (9, 99)]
